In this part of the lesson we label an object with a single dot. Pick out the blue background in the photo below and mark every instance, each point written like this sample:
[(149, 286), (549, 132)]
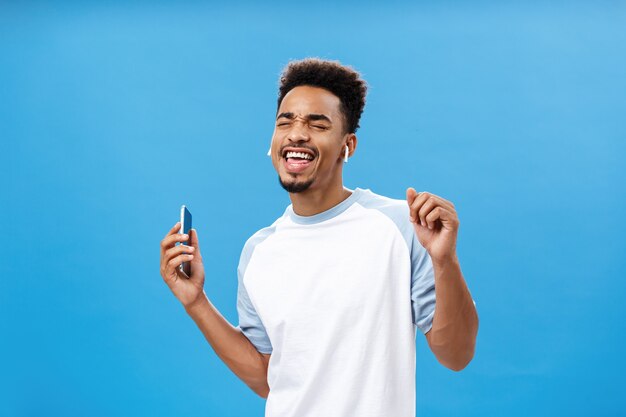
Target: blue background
[(112, 116)]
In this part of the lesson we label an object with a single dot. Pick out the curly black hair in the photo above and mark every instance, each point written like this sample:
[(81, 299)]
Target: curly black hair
[(341, 80)]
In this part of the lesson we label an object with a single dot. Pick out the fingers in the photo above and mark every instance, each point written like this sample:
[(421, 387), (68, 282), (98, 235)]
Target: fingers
[(174, 263), (422, 204), (168, 248), (177, 251), (172, 237), (443, 215), (173, 257), (164, 241), (428, 206)]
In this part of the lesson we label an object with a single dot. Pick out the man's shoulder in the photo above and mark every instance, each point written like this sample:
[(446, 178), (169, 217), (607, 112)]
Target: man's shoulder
[(395, 208), (259, 236)]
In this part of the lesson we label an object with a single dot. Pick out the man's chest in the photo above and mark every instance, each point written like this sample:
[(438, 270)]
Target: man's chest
[(309, 279)]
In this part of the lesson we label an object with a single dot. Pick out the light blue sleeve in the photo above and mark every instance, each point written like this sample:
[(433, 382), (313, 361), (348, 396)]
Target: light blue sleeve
[(422, 285), (250, 323)]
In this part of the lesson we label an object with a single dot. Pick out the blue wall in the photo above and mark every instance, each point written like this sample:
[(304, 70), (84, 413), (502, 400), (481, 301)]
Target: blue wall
[(515, 112)]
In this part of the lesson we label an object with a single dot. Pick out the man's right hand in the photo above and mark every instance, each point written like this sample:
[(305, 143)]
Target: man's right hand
[(188, 290)]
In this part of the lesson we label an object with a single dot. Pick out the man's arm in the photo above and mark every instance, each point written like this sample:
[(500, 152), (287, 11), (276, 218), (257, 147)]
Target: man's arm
[(452, 337), (231, 346)]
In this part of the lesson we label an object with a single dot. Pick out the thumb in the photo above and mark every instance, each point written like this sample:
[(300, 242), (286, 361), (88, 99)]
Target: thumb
[(197, 267), (410, 195), (193, 240)]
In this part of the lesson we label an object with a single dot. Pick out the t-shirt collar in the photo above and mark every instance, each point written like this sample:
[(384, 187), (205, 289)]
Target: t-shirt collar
[(327, 214)]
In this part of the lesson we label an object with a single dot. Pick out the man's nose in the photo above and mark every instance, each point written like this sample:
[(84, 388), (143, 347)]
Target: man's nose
[(298, 133)]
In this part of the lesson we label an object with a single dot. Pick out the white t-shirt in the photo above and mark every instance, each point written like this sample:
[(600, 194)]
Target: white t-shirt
[(336, 298)]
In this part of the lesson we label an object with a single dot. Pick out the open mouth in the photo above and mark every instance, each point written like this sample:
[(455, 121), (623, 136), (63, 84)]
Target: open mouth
[(297, 160)]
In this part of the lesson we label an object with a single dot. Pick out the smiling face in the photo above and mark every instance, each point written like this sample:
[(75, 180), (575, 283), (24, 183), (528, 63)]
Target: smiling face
[(309, 139)]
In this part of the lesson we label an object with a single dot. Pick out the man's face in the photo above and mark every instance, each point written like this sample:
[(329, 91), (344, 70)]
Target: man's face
[(310, 123)]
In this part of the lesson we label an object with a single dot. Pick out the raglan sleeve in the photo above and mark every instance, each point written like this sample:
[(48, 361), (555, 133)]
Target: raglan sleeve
[(250, 323), (423, 300), (422, 286)]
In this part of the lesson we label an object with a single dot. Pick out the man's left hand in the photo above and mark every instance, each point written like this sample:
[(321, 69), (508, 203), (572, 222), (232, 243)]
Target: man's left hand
[(436, 224)]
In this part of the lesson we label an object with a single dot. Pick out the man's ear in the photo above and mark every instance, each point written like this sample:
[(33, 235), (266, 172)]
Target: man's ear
[(351, 141)]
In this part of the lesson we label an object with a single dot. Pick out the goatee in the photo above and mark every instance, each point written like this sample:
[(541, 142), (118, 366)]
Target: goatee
[(295, 187)]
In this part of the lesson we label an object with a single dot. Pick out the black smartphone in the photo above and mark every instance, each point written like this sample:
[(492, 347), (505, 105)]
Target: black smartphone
[(185, 227)]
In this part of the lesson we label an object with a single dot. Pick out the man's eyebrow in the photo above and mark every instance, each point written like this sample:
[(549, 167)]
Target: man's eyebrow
[(319, 117), (310, 117)]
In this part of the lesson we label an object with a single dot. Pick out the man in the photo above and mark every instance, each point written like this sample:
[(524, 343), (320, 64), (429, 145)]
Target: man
[(331, 294)]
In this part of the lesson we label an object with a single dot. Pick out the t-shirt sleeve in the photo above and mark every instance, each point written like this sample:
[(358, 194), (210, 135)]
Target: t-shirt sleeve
[(422, 286), (249, 321), (422, 271)]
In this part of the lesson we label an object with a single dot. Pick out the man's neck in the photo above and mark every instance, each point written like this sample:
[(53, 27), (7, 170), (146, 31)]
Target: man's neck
[(311, 202)]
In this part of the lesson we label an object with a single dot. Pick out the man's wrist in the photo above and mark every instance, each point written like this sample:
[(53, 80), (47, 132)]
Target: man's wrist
[(446, 262), (198, 304)]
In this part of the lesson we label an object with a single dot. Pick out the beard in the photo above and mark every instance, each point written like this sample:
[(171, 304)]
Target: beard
[(295, 187)]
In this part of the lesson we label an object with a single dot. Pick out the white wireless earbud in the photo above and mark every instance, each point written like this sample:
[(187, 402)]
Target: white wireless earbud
[(269, 151), (345, 156)]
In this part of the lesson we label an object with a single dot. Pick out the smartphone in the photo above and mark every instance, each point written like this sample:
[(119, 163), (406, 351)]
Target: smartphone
[(185, 227)]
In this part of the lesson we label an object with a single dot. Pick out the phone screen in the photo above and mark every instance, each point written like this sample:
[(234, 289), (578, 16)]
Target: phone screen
[(185, 221)]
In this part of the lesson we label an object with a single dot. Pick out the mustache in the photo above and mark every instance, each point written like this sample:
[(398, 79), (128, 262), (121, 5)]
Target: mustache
[(282, 151)]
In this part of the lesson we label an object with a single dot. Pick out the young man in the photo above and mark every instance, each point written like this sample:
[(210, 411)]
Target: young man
[(331, 294)]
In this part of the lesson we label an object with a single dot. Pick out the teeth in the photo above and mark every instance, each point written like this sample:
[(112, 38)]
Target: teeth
[(291, 154)]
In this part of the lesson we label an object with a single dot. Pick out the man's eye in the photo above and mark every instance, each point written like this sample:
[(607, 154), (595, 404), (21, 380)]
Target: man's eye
[(283, 124), (319, 127)]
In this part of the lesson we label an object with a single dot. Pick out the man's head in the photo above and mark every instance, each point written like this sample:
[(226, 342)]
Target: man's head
[(319, 107)]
